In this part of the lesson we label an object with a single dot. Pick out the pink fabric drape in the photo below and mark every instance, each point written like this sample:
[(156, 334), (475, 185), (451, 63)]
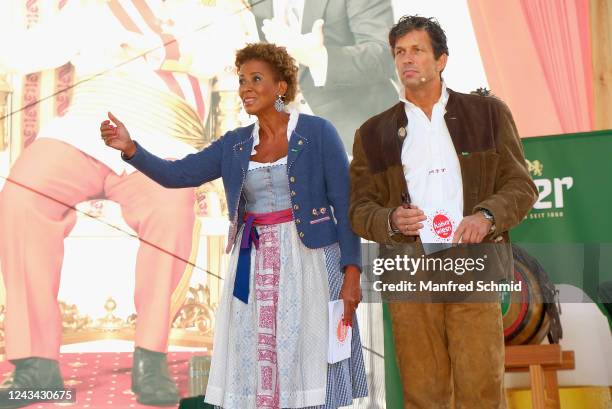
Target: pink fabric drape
[(537, 57), (560, 31)]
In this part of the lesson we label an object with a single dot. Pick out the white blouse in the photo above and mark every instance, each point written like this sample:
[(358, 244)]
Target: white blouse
[(293, 119)]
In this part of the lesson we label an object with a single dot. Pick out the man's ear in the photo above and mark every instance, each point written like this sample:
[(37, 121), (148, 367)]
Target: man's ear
[(441, 63)]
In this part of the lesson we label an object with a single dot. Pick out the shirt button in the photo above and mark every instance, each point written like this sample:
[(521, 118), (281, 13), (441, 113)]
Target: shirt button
[(291, 179), (296, 207), (300, 142), (298, 221), (292, 193), (301, 234)]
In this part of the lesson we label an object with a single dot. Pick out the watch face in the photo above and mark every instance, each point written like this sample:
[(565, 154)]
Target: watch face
[(487, 214)]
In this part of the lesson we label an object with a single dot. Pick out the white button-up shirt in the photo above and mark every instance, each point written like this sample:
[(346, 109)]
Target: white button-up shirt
[(430, 162)]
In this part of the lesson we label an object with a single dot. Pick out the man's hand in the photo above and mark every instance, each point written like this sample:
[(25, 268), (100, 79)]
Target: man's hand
[(408, 220), (307, 49), (350, 292), (472, 229)]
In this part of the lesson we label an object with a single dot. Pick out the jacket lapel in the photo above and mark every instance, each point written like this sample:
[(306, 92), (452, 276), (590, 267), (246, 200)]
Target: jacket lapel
[(396, 135), (242, 149), (393, 133), (313, 10), (454, 125), (297, 143), (470, 167), (262, 9)]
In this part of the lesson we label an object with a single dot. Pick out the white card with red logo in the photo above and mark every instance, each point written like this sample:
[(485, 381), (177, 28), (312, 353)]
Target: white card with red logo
[(340, 335), (439, 228)]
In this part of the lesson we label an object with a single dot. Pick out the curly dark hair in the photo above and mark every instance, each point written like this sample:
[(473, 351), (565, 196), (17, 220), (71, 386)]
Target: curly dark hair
[(407, 24), (279, 60)]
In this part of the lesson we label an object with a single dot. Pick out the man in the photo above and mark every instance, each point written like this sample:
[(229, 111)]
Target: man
[(443, 349), (150, 62), (340, 46)]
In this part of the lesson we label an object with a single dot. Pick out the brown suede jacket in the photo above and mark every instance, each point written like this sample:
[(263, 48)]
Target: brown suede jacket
[(491, 157)]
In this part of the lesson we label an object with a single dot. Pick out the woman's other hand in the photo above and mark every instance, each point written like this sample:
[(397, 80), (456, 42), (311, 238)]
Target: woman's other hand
[(351, 292), (117, 136)]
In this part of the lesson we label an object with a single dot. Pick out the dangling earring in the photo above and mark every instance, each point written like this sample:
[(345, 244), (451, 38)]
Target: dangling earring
[(279, 105)]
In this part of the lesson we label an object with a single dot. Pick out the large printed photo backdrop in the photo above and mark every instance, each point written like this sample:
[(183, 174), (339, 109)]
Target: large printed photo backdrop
[(166, 68)]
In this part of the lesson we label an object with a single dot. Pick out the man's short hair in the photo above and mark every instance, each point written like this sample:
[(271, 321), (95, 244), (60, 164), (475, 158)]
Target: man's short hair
[(407, 24)]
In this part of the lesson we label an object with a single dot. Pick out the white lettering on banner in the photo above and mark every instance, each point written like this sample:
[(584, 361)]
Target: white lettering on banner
[(545, 188)]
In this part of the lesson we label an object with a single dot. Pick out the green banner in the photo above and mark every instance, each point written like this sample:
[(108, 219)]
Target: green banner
[(573, 174), (569, 230)]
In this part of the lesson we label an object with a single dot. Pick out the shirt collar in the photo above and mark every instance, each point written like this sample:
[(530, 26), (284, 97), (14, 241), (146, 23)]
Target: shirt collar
[(442, 101), (291, 125)]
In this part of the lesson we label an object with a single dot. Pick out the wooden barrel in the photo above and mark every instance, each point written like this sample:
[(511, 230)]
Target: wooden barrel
[(524, 314)]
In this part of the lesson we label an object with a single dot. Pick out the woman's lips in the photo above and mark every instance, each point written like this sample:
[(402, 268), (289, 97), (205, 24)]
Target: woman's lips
[(249, 101)]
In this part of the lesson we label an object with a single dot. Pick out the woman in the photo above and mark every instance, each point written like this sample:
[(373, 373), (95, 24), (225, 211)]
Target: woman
[(287, 174)]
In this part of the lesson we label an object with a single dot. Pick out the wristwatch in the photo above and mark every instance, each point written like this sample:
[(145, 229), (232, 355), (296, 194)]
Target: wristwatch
[(489, 216), (390, 228)]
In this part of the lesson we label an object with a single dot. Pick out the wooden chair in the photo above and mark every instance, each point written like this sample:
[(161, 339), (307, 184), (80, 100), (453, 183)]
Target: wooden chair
[(542, 362)]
